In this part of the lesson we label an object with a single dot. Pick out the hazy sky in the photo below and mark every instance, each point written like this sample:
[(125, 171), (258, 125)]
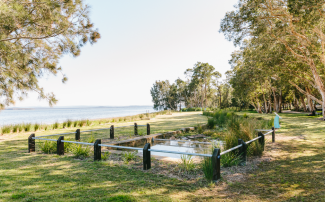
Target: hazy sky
[(142, 41)]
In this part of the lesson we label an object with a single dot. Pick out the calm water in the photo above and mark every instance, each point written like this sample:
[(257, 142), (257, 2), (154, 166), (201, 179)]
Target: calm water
[(51, 115)]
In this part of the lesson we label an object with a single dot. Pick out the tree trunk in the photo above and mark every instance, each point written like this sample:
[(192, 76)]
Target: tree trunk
[(265, 104), (280, 100), (303, 103)]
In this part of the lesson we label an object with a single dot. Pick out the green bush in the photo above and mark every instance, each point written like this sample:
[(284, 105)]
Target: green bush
[(88, 122), (48, 147), (15, 128), (245, 116), (56, 125), (75, 123), (211, 123)]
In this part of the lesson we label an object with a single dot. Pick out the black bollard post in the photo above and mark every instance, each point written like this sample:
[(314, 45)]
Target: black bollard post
[(261, 140), (135, 129), (60, 146), (216, 164), (148, 129), (77, 135), (31, 143), (111, 132), (242, 152), (273, 134), (97, 150), (146, 157)]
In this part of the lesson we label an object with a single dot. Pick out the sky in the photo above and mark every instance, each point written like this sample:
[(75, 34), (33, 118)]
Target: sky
[(141, 41)]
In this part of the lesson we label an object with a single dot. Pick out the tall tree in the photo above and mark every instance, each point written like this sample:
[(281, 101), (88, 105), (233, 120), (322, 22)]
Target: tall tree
[(34, 35)]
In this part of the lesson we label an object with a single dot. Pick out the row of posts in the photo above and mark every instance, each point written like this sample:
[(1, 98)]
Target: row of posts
[(111, 131), (147, 156)]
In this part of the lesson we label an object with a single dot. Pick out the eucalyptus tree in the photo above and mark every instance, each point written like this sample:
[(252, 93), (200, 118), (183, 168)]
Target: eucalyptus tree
[(34, 35), (298, 26), (203, 75)]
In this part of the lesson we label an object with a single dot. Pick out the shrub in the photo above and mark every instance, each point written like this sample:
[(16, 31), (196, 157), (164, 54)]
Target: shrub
[(199, 129), (88, 123), (140, 116), (245, 116), (80, 152), (211, 123), (120, 119), (64, 124), (48, 147), (68, 147)]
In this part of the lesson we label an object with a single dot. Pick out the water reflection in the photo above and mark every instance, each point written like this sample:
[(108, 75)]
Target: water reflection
[(188, 146)]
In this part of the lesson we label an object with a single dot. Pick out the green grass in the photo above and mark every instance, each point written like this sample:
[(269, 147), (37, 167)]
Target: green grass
[(295, 173)]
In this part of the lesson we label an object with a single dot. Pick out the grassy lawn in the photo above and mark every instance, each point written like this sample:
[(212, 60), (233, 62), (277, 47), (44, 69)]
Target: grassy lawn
[(295, 173)]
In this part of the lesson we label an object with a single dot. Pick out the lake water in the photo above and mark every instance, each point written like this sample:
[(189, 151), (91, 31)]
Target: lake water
[(51, 115)]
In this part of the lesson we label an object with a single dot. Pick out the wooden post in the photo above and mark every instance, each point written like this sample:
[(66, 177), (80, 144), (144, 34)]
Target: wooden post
[(146, 157), (31, 143), (60, 146), (77, 135), (273, 134), (135, 129), (216, 164), (261, 140), (97, 150), (148, 129), (242, 152), (111, 132)]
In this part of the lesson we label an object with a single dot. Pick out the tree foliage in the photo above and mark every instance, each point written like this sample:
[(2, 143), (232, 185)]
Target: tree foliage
[(34, 35)]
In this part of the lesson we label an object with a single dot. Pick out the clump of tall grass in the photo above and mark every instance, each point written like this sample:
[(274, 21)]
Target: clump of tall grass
[(91, 139), (6, 129), (69, 123), (48, 147), (187, 164), (129, 156), (106, 155), (80, 151), (75, 123), (82, 123), (55, 125), (207, 168), (27, 127), (37, 126), (88, 122)]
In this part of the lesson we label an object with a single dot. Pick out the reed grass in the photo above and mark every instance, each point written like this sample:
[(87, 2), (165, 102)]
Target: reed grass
[(22, 127)]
